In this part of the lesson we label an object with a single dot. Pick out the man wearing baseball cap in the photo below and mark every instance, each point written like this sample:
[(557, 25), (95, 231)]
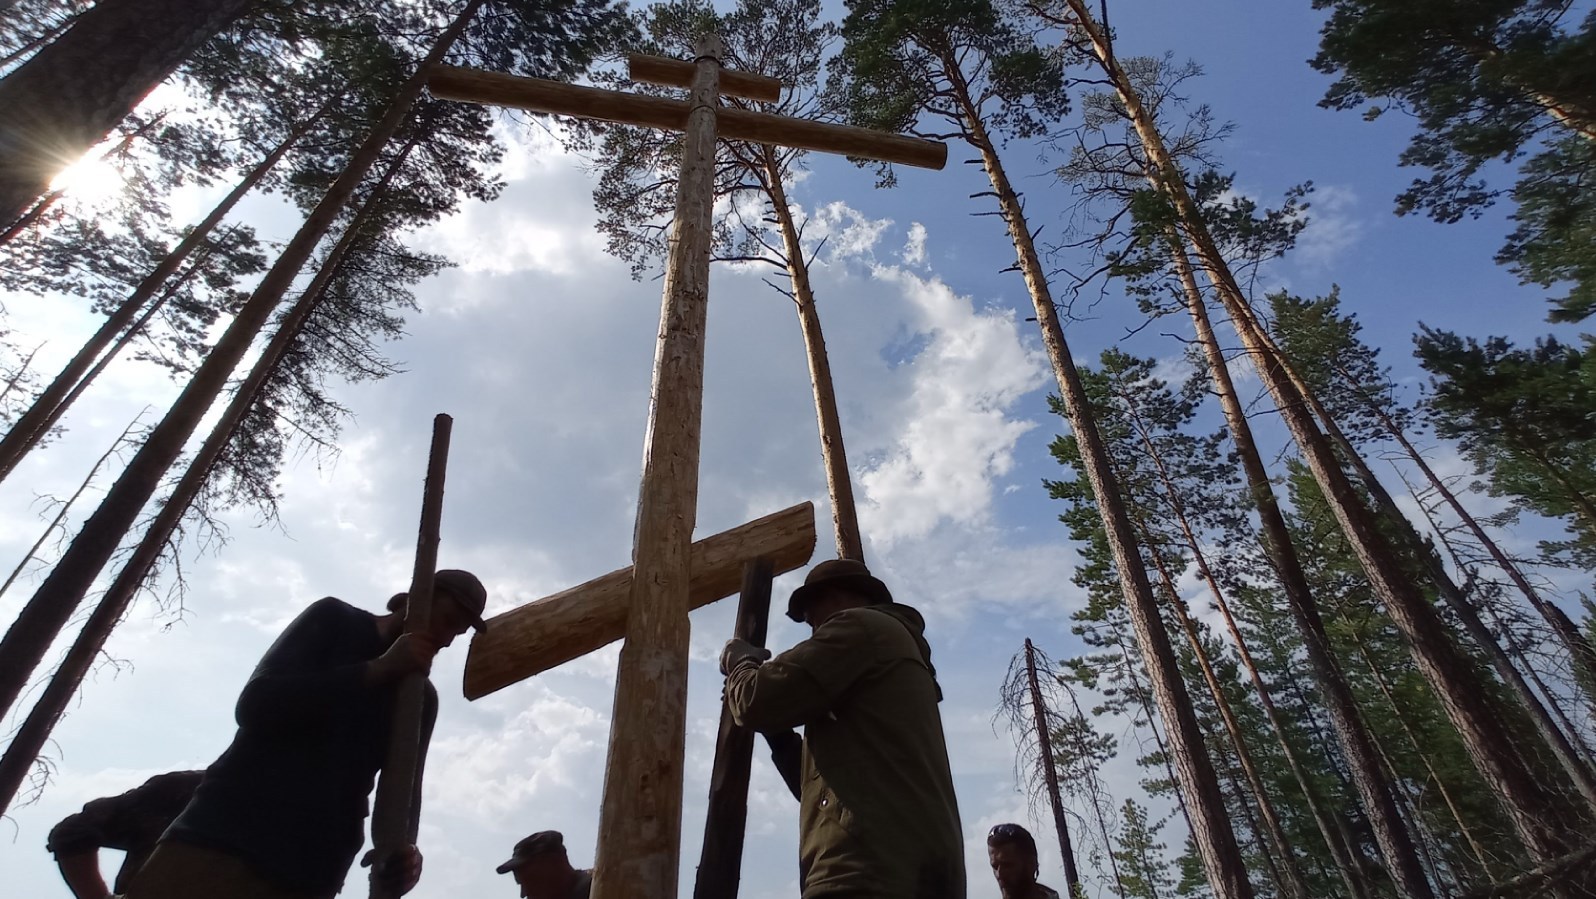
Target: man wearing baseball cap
[(543, 871), (878, 816), (280, 813)]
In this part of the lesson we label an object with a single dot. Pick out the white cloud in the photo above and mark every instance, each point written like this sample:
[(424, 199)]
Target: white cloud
[(914, 248), (957, 435), (1333, 227)]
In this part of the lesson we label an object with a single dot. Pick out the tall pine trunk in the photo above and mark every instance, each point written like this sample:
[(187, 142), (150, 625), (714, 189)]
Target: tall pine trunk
[(1199, 783), (49, 405), (1373, 788), (53, 603), (30, 738), (839, 484), (70, 94), (1548, 827), (1288, 875), (1580, 653), (1331, 828)]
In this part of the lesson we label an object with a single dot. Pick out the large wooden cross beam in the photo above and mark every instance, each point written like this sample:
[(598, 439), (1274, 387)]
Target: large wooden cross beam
[(639, 841)]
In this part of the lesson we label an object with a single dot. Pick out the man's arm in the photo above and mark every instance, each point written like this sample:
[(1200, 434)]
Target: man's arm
[(802, 684), (294, 684), (81, 871)]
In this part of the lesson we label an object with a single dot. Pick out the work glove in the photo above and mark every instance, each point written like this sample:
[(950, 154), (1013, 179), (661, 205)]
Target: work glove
[(738, 651)]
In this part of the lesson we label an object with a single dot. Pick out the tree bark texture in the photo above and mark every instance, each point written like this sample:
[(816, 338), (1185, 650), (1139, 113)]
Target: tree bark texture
[(70, 94)]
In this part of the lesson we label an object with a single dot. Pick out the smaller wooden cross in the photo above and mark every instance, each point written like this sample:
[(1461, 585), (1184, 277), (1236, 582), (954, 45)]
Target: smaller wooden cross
[(639, 843)]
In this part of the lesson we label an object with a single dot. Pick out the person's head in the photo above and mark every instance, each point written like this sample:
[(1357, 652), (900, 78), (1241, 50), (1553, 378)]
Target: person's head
[(835, 586), (458, 599), (540, 866), (1012, 852)]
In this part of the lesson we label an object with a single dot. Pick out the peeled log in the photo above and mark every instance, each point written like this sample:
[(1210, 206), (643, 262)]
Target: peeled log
[(551, 631)]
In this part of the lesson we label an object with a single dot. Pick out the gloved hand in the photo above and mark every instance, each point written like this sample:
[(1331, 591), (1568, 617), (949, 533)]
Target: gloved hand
[(738, 651)]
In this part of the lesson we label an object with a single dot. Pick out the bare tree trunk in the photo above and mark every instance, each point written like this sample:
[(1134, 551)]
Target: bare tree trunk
[(839, 485), (1580, 652), (1369, 782), (36, 422), (1576, 768), (1475, 848), (35, 730), (1548, 827), (52, 605), (1335, 839), (1289, 879), (70, 94), (1044, 741), (1211, 830), (15, 380)]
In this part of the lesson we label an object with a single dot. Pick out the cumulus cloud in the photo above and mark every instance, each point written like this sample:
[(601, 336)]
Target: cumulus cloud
[(958, 435)]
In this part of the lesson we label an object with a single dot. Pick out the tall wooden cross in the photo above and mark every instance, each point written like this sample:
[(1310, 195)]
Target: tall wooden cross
[(639, 839)]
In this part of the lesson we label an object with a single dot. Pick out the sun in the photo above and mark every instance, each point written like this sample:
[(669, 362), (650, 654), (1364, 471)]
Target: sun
[(91, 181)]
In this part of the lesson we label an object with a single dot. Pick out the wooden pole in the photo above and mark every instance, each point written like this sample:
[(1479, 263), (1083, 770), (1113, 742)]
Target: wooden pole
[(392, 811), (551, 631), (537, 95), (720, 864), (640, 821)]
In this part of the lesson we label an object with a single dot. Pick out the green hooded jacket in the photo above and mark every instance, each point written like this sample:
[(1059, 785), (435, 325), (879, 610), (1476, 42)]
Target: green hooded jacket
[(878, 814)]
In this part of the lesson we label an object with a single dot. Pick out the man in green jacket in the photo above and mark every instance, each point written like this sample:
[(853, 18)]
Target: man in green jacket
[(878, 816)]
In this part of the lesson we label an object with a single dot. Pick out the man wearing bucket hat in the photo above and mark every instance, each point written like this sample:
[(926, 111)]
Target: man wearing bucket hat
[(279, 815), (878, 815), (543, 871)]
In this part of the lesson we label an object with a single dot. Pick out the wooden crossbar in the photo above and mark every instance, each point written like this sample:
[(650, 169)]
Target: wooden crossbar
[(533, 638), (679, 73), (559, 98)]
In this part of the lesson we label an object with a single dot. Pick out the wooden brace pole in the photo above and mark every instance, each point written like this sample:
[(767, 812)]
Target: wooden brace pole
[(720, 863), (551, 631), (392, 822)]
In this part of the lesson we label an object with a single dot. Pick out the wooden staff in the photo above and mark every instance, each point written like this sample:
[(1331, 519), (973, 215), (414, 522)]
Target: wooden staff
[(393, 818), (721, 863)]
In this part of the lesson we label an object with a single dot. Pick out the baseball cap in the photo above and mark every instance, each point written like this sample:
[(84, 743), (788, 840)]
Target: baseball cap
[(540, 843), (466, 590)]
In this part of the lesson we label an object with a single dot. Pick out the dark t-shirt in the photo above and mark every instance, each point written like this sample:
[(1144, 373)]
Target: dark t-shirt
[(131, 822), (289, 796)]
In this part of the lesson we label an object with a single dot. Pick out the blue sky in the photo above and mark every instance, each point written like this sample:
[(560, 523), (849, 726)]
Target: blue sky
[(540, 347)]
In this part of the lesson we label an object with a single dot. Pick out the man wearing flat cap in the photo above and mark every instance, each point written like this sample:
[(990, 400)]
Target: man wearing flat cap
[(878, 816), (280, 815), (543, 871)]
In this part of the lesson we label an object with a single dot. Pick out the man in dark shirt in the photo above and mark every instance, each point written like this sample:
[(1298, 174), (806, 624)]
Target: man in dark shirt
[(279, 815), (131, 822)]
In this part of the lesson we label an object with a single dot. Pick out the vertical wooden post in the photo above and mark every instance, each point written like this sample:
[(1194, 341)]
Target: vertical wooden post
[(640, 821), (1044, 738), (393, 812), (720, 864)]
